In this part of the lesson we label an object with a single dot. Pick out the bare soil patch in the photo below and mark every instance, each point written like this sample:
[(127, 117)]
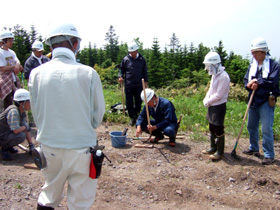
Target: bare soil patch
[(158, 178)]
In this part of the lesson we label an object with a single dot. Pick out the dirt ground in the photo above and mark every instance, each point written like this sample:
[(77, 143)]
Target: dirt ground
[(158, 178)]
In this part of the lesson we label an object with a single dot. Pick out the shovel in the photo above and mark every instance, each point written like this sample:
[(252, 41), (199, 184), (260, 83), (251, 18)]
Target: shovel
[(233, 153)]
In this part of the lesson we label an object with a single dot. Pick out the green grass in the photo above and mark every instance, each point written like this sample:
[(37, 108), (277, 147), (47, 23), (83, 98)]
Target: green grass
[(188, 102)]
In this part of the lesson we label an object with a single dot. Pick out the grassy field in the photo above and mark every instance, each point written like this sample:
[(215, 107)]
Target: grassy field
[(188, 102)]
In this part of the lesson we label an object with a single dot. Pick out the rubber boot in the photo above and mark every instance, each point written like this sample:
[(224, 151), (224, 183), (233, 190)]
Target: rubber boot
[(213, 145), (39, 207), (220, 148)]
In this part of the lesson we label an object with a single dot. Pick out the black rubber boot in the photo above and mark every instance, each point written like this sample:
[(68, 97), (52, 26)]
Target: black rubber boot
[(39, 207), (213, 145), (220, 148)]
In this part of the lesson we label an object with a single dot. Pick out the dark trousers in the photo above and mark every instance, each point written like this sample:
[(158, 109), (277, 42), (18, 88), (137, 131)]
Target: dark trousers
[(133, 101), (217, 130), (12, 139), (8, 100)]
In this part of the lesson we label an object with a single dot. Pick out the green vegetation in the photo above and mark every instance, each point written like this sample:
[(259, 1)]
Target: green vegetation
[(176, 72), (188, 102)]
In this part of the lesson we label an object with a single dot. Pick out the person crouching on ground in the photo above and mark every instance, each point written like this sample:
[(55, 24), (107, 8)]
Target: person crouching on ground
[(215, 100), (13, 126), (164, 122)]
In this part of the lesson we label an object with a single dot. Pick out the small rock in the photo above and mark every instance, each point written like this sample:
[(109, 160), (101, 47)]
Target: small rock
[(262, 181), (231, 179), (179, 192), (208, 187), (247, 188), (277, 192)]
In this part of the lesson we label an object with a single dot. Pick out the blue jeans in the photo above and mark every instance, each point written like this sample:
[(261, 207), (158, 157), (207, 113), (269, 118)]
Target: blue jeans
[(265, 114)]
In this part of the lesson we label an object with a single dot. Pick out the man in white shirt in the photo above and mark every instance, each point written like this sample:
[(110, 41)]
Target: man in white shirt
[(67, 105), (9, 68)]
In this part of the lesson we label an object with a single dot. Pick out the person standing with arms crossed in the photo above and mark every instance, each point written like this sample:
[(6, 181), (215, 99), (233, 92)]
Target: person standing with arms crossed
[(68, 105), (133, 69), (262, 77), (9, 68)]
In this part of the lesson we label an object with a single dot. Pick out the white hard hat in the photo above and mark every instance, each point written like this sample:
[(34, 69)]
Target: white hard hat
[(66, 29), (6, 35), (37, 45), (132, 46), (149, 94), (21, 95), (212, 58), (259, 44)]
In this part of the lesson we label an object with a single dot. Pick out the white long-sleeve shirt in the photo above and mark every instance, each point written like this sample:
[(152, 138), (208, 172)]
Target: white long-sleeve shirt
[(219, 89), (67, 101)]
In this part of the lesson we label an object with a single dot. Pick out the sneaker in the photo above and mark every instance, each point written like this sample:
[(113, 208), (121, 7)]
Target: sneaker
[(268, 161), (251, 152), (157, 138), (13, 150)]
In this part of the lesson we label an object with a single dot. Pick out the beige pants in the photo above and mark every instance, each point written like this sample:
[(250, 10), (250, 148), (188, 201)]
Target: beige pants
[(72, 166)]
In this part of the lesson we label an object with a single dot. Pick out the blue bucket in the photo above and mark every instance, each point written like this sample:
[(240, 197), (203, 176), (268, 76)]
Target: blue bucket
[(117, 139)]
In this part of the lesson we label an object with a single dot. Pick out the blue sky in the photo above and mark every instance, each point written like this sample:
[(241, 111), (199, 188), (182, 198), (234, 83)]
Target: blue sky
[(235, 22)]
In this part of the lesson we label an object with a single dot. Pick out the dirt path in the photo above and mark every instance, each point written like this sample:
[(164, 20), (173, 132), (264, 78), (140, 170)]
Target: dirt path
[(159, 178)]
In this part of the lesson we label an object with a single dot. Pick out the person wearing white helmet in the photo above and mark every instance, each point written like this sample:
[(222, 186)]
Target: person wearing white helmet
[(9, 68), (13, 125), (36, 58), (164, 120), (67, 105), (263, 77), (215, 101), (133, 70)]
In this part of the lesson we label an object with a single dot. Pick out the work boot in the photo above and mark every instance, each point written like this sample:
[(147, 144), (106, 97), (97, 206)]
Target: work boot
[(213, 145), (40, 207), (6, 154), (220, 148), (158, 136), (172, 142)]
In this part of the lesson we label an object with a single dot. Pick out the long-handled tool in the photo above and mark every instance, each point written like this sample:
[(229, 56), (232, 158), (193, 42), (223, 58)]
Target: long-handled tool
[(233, 153), (146, 104), (123, 99)]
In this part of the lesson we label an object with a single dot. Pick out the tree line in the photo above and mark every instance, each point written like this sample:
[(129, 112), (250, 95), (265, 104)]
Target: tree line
[(175, 65)]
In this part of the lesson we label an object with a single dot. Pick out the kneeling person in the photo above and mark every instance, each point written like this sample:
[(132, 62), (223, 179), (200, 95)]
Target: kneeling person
[(13, 126), (164, 122)]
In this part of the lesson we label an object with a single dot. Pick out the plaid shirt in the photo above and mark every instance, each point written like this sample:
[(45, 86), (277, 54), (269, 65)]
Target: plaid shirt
[(7, 85)]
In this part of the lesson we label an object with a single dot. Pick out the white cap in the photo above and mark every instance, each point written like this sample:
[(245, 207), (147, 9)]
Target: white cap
[(212, 58), (259, 44), (61, 31), (37, 45), (149, 94), (21, 95), (6, 35), (132, 46)]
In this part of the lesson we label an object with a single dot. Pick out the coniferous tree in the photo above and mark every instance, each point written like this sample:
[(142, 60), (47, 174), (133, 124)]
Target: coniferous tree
[(200, 54), (21, 44), (111, 47), (220, 50), (156, 77)]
